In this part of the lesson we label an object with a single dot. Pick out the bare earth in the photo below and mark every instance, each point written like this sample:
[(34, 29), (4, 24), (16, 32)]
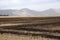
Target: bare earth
[(21, 37)]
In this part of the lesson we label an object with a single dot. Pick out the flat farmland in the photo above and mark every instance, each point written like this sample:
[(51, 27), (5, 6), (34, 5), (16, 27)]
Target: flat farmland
[(30, 28)]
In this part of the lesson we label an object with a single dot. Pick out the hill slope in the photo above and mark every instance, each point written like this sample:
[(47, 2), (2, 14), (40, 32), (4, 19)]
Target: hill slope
[(28, 12)]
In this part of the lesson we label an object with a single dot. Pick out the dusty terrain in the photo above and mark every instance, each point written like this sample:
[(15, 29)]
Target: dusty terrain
[(21, 37), (29, 28)]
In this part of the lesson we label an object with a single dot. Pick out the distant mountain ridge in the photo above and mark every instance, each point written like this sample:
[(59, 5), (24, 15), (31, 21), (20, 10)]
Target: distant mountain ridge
[(28, 12)]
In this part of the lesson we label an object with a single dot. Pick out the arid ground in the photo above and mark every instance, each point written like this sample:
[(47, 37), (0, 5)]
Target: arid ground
[(29, 28)]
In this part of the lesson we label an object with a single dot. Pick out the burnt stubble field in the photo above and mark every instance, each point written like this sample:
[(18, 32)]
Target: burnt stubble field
[(29, 28)]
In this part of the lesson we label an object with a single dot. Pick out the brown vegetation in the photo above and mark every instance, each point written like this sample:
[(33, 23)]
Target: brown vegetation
[(30, 28)]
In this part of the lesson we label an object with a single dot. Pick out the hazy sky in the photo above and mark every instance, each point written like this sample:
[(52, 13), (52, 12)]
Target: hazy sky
[(31, 4)]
